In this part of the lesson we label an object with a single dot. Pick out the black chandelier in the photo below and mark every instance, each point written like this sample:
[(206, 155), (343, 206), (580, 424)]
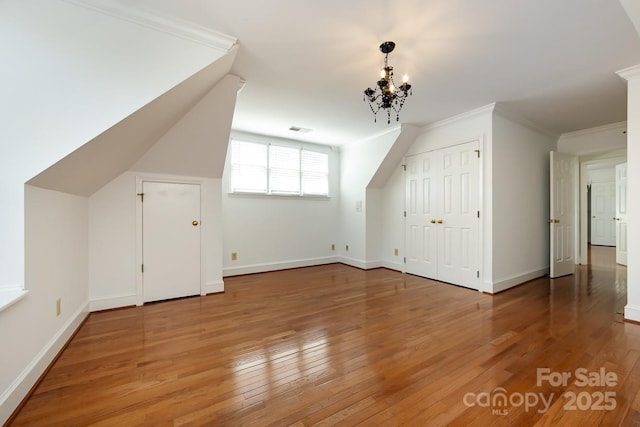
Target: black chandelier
[(387, 95)]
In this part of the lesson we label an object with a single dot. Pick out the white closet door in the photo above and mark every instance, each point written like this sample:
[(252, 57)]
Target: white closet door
[(458, 232), (442, 225), (421, 231)]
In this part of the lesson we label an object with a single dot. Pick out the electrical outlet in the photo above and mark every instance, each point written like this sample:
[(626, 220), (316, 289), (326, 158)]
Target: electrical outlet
[(333, 247), (234, 256), (58, 307), (395, 251), (347, 248)]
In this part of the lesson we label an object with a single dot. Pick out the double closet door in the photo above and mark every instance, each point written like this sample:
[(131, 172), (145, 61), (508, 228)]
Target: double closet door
[(442, 214)]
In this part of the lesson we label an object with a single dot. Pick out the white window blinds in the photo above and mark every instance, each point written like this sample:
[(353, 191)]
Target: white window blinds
[(284, 170), (278, 170), (248, 167), (315, 173)]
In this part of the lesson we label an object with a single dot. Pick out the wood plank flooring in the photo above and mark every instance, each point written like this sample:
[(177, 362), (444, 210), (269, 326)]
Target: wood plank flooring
[(334, 345)]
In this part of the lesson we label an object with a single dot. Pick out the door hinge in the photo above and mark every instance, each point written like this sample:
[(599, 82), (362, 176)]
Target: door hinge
[(142, 268), (478, 214), (405, 214), (404, 260), (141, 197), (478, 274), (404, 167), (477, 152)]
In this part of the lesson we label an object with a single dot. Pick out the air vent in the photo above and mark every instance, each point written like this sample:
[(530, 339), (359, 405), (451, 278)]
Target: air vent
[(299, 129)]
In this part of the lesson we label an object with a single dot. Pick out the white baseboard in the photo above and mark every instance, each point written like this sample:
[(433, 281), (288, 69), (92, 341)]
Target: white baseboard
[(272, 266), (397, 266), (113, 302), (362, 264), (17, 391), (510, 282), (632, 312), (353, 262), (214, 287)]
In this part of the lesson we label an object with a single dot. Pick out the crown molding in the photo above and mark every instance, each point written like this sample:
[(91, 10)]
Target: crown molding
[(613, 127), (168, 25), (630, 73), (487, 109)]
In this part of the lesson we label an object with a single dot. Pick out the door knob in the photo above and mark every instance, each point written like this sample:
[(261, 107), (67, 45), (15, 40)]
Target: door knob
[(433, 221), (194, 223), (439, 221)]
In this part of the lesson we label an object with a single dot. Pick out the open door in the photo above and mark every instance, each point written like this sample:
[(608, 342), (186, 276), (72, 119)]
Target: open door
[(562, 214), (621, 214)]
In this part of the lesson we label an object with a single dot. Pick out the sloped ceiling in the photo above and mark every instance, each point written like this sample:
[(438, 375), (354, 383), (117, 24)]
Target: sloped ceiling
[(307, 63), (113, 152), (197, 144)]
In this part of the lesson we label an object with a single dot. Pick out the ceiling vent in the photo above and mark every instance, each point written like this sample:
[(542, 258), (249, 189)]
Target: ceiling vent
[(299, 129)]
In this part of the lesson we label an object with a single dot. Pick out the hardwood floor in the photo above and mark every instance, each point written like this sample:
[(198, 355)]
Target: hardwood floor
[(334, 345)]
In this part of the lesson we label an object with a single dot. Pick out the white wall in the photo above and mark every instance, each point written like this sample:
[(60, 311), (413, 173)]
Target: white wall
[(632, 309), (360, 219), (61, 90), (373, 227), (275, 232), (112, 244), (520, 170), (213, 235), (31, 333), (393, 232)]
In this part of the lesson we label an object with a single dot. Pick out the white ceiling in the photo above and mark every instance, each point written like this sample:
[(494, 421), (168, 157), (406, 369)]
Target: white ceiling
[(307, 63)]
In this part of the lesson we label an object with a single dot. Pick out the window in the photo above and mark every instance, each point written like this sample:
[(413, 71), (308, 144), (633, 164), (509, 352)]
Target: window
[(278, 170), (248, 167)]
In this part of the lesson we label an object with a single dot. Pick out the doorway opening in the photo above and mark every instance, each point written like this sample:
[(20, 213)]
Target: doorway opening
[(595, 171)]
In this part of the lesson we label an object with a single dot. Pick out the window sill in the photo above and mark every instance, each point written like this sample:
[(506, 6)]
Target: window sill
[(10, 296), (278, 196)]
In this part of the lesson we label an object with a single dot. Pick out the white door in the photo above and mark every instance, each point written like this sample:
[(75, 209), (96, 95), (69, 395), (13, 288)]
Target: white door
[(442, 225), (458, 223), (421, 238), (621, 214), (603, 227), (562, 214), (170, 240)]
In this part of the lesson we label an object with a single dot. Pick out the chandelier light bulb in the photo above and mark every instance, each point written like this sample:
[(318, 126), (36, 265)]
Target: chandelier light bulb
[(405, 78), (382, 73)]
